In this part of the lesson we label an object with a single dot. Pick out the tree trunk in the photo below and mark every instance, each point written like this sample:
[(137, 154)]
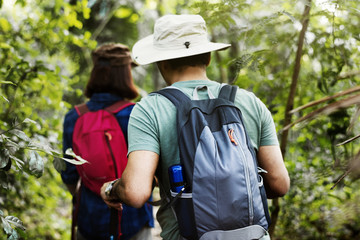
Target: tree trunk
[(290, 102), (156, 74), (233, 69)]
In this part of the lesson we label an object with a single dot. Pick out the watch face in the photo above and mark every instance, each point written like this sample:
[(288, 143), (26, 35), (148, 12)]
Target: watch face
[(108, 188)]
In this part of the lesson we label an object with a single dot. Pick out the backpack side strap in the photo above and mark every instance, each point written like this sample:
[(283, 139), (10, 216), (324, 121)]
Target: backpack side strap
[(228, 92), (81, 109)]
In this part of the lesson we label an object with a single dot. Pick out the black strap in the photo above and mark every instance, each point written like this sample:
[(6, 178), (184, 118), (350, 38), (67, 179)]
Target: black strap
[(265, 204), (114, 224), (228, 92), (176, 96)]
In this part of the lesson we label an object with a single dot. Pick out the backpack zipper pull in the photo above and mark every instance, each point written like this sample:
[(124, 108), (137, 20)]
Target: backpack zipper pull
[(108, 135), (230, 134)]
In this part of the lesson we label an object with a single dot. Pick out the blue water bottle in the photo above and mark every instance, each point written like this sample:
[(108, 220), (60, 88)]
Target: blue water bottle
[(176, 178), (182, 205)]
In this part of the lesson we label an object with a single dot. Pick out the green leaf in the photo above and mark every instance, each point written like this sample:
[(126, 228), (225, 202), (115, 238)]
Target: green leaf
[(16, 222), (19, 163), (59, 164), (12, 146), (28, 120), (5, 98), (20, 134), (36, 164), (40, 146), (14, 235), (5, 25), (7, 82), (6, 226), (79, 160), (4, 157)]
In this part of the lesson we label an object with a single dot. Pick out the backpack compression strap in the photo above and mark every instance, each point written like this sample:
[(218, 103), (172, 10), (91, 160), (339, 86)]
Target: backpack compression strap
[(229, 92)]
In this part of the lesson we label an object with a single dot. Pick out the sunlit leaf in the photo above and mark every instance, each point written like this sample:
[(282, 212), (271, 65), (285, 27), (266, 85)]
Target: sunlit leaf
[(19, 163), (13, 236), (292, 18), (20, 134), (5, 25), (12, 146), (7, 82), (28, 120), (41, 146), (15, 221), (123, 12), (5, 98), (79, 160), (6, 226)]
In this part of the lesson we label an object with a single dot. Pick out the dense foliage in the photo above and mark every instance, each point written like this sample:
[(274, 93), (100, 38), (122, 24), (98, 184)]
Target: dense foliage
[(44, 55)]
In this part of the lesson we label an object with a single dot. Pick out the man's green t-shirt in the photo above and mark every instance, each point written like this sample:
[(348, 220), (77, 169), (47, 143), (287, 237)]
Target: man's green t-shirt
[(152, 127)]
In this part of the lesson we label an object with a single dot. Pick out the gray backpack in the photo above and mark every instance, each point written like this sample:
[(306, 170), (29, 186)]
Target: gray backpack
[(222, 196)]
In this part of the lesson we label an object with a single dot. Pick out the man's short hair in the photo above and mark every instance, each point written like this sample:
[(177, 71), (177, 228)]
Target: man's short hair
[(192, 61)]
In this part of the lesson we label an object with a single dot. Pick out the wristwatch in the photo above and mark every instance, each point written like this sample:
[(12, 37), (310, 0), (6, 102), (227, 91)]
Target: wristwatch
[(109, 187)]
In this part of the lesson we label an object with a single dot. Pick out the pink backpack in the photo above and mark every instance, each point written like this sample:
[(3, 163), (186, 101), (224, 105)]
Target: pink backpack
[(98, 139)]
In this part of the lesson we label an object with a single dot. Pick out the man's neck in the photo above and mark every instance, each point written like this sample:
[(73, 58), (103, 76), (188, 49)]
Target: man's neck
[(187, 74)]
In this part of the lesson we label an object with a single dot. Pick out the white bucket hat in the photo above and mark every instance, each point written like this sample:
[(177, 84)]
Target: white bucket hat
[(175, 36)]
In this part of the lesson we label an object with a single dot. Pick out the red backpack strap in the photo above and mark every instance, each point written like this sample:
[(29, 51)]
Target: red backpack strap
[(81, 109), (118, 106)]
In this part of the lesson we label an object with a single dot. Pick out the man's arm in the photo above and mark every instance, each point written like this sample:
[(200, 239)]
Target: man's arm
[(276, 181), (135, 186)]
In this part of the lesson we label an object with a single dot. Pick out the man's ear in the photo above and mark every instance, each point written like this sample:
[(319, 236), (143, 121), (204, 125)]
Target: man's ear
[(162, 65)]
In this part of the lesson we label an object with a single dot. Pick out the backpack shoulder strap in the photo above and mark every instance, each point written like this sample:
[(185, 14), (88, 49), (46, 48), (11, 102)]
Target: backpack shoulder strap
[(175, 95), (81, 109), (228, 92), (118, 106)]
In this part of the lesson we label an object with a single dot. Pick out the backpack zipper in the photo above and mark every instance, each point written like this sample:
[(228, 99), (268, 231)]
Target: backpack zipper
[(232, 137), (108, 138)]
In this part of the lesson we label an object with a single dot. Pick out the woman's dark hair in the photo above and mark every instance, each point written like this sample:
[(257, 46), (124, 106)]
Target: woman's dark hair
[(111, 79), (196, 60), (111, 72)]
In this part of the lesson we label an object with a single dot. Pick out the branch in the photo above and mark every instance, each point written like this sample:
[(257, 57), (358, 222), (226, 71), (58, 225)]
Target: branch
[(354, 164), (105, 21), (348, 75), (347, 141), (325, 99), (344, 103)]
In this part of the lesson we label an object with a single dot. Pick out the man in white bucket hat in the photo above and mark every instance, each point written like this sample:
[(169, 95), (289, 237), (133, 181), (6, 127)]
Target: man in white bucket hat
[(181, 49)]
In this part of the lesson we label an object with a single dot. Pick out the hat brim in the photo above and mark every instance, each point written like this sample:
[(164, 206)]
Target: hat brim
[(144, 52)]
